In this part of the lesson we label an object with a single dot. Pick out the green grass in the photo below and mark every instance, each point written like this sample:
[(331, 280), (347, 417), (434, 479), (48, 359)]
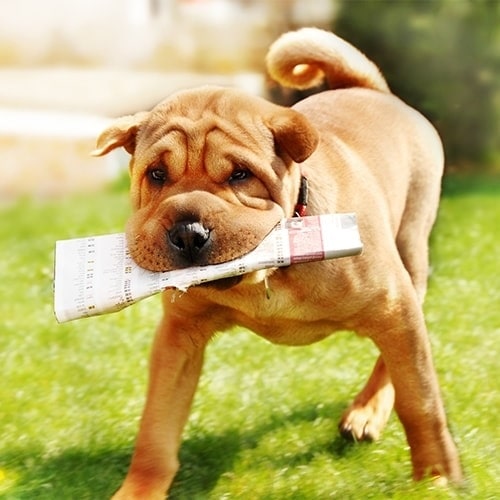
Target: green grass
[(263, 425)]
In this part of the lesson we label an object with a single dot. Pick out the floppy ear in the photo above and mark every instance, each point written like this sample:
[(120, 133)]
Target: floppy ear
[(294, 134), (122, 132)]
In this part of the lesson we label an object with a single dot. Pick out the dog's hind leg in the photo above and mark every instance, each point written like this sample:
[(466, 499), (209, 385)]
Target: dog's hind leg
[(412, 239), (413, 248), (366, 417)]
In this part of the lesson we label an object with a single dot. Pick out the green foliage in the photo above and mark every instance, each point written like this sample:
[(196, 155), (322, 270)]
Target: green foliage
[(263, 424), (442, 57)]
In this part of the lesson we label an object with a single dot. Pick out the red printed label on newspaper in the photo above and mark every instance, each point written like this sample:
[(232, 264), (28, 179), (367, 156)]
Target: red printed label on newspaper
[(305, 239)]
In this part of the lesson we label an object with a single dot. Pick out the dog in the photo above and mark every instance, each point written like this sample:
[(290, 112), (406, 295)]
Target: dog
[(212, 172)]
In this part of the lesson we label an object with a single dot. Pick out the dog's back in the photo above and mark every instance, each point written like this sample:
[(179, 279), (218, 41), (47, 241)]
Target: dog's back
[(387, 148)]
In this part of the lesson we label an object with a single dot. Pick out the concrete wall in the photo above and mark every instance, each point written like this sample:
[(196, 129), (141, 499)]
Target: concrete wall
[(210, 35)]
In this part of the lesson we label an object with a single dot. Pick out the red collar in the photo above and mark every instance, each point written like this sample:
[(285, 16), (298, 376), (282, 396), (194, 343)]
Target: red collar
[(301, 205)]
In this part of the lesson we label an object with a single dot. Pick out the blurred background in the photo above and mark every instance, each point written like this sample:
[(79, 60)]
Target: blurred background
[(67, 67)]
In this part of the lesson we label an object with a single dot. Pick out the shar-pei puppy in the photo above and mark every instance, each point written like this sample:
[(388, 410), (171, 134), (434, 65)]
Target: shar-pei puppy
[(213, 170)]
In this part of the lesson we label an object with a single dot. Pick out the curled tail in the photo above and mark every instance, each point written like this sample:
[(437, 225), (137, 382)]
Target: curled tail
[(303, 59)]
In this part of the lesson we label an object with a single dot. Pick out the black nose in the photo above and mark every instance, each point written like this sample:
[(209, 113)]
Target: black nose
[(188, 239)]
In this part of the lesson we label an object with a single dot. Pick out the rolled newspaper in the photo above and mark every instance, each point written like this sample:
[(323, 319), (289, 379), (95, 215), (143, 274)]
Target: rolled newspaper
[(97, 275)]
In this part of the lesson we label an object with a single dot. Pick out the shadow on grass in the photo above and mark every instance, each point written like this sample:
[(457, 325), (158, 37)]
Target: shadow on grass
[(75, 473), (82, 474), (204, 459)]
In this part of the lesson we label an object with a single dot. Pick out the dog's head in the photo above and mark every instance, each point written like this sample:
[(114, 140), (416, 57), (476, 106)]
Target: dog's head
[(212, 172)]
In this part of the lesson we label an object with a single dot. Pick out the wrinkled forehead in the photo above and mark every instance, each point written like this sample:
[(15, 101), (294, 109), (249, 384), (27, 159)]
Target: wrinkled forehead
[(196, 121)]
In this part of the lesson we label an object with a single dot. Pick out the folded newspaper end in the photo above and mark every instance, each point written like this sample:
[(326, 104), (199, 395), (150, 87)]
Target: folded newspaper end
[(97, 275)]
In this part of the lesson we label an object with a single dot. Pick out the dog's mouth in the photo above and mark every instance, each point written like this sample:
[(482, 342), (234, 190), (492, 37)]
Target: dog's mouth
[(223, 283)]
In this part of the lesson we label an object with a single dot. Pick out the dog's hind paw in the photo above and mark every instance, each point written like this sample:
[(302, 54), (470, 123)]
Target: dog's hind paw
[(361, 424), (365, 422)]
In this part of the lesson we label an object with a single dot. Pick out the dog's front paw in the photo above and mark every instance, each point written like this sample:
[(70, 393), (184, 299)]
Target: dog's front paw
[(121, 495), (128, 493)]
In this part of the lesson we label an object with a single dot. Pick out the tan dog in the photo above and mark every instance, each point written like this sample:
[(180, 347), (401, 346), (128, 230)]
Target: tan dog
[(213, 170)]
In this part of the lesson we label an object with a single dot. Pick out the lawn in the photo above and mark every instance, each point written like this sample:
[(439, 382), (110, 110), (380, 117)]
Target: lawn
[(263, 425)]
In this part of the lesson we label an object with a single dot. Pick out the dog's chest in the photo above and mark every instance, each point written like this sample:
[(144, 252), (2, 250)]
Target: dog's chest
[(282, 315), (290, 332)]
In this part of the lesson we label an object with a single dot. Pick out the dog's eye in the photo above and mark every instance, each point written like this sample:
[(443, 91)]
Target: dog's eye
[(157, 175), (240, 174)]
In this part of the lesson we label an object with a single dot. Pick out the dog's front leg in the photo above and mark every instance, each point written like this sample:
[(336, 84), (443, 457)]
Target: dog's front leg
[(176, 361), (406, 351)]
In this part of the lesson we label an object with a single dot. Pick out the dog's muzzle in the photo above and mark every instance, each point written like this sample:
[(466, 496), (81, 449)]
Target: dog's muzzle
[(188, 240)]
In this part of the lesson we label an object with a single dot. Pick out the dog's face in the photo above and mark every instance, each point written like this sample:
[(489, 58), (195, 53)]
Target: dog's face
[(212, 172)]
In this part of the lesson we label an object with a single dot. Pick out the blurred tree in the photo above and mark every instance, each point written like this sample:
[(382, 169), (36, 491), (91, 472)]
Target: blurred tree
[(442, 57)]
